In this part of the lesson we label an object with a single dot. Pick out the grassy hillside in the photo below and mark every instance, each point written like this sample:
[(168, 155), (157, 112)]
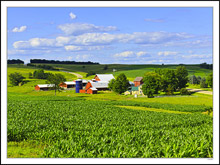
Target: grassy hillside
[(131, 71)]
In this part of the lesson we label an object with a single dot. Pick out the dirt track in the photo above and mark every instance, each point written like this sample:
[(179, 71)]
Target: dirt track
[(200, 91), (76, 74)]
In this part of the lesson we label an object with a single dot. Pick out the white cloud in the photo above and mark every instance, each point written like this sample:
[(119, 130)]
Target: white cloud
[(82, 57), (21, 29), (201, 56), (72, 48), (34, 42), (167, 53), (60, 41), (141, 53), (124, 54), (72, 16), (100, 39), (80, 28)]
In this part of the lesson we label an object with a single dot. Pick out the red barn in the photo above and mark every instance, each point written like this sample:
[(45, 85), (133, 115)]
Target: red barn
[(44, 87), (138, 81), (68, 84)]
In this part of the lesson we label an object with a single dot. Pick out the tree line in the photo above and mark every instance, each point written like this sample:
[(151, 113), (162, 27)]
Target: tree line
[(14, 61), (59, 62)]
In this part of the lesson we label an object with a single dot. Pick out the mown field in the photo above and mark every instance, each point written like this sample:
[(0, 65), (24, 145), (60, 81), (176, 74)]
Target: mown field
[(106, 125)]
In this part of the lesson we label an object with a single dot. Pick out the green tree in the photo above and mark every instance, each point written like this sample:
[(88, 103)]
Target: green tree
[(210, 80), (168, 77), (193, 80), (105, 67), (111, 84), (56, 79), (203, 83), (16, 78), (30, 75), (148, 90), (39, 74), (182, 77), (121, 84), (151, 84)]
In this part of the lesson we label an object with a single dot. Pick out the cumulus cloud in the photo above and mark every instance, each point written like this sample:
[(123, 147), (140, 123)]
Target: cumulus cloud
[(80, 28), (21, 29), (154, 20), (141, 53), (34, 42), (72, 48), (127, 54), (124, 54), (167, 53), (72, 16), (81, 48), (103, 39)]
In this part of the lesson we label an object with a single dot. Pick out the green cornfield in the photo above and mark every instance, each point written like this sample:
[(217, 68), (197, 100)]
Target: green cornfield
[(74, 127)]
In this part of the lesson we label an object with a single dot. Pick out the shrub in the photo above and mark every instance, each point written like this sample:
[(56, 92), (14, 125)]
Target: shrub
[(184, 91), (203, 83)]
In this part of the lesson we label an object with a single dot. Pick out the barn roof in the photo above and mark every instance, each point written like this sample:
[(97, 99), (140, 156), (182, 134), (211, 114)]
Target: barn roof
[(70, 83), (138, 79), (83, 81), (94, 89), (99, 84), (105, 77), (46, 85), (131, 83)]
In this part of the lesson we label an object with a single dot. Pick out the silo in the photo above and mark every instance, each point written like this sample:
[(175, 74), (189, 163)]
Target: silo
[(78, 85)]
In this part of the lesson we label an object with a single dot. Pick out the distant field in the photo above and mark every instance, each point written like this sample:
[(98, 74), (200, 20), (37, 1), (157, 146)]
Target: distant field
[(131, 71)]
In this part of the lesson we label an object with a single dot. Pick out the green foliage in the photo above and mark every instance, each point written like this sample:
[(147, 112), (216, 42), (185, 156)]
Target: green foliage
[(147, 90), (210, 80), (16, 78), (56, 79), (168, 78), (40, 74), (195, 80), (75, 128), (151, 84), (105, 67), (203, 83), (30, 75), (111, 84), (182, 77), (169, 90), (184, 91), (121, 84)]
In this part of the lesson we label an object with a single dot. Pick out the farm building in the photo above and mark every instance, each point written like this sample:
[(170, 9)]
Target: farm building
[(138, 81), (135, 90), (103, 77), (44, 87), (68, 84), (100, 82), (72, 84)]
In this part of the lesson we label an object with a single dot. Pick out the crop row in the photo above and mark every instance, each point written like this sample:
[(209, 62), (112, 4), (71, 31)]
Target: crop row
[(81, 128)]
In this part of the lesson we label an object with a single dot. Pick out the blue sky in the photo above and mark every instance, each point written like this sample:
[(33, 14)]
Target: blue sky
[(152, 35)]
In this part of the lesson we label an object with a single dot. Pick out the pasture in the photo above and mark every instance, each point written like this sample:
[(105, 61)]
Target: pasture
[(131, 71), (106, 125)]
